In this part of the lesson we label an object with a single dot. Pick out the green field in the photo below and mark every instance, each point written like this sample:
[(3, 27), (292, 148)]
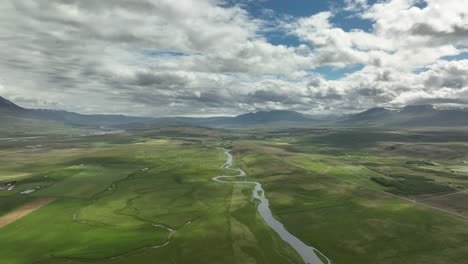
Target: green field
[(347, 192)]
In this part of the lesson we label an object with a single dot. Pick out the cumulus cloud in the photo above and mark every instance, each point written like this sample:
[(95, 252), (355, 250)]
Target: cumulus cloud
[(404, 36), (444, 82), (205, 57), (446, 74)]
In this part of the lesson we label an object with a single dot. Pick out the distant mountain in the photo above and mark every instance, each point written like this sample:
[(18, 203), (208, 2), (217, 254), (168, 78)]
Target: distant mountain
[(19, 120), (85, 120), (370, 116), (408, 116), (7, 105), (271, 116), (275, 117), (16, 119)]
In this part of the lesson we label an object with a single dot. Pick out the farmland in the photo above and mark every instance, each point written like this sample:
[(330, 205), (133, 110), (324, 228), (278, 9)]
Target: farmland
[(147, 196)]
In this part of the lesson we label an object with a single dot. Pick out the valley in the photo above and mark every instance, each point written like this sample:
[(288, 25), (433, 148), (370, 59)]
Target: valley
[(140, 196), (234, 132)]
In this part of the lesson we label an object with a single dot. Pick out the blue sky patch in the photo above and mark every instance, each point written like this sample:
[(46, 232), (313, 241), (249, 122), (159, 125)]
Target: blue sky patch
[(461, 56), (161, 53), (420, 70), (348, 22), (334, 73), (295, 8), (421, 4)]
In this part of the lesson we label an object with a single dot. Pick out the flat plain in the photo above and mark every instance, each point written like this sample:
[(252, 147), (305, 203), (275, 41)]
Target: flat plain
[(359, 196)]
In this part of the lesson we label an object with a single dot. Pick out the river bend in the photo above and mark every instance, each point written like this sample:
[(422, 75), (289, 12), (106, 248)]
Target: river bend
[(308, 253)]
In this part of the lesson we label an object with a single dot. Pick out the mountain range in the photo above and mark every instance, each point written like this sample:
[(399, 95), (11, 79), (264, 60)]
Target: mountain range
[(10, 110), (18, 121), (409, 116), (282, 117)]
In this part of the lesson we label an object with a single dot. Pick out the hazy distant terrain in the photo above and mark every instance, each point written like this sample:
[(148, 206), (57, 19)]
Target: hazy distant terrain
[(19, 121), (39, 121)]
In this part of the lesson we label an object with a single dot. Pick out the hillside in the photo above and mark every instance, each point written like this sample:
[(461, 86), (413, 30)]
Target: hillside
[(271, 116), (408, 116), (18, 121), (275, 117), (6, 105)]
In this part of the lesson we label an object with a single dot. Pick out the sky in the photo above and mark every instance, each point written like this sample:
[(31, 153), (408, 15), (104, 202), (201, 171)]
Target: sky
[(228, 57)]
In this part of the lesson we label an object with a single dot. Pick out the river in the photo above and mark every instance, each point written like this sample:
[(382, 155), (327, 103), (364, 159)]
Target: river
[(308, 253)]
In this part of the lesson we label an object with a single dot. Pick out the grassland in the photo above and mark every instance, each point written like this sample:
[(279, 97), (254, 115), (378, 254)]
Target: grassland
[(346, 192), (24, 127), (116, 191), (352, 224)]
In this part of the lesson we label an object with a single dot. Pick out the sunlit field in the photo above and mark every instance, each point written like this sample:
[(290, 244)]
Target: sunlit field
[(148, 197)]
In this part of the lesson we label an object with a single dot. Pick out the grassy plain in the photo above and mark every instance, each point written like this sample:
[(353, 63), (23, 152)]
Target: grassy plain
[(17, 126), (342, 191), (115, 193)]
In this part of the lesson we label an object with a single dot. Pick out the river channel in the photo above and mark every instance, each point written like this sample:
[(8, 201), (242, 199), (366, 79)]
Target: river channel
[(309, 254)]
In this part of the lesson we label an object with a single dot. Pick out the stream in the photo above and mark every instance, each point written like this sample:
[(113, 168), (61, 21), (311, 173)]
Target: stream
[(308, 253)]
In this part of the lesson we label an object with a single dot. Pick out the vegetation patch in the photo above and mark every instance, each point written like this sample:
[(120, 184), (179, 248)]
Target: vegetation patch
[(327, 186), (411, 186)]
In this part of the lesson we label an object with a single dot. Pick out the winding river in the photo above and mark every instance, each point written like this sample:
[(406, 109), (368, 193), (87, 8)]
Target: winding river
[(309, 254)]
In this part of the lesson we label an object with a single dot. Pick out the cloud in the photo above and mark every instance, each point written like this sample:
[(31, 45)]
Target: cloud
[(444, 82), (356, 5), (207, 57), (404, 36), (446, 74)]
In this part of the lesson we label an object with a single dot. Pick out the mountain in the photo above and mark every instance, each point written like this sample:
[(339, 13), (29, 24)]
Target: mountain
[(85, 120), (19, 121), (408, 116), (373, 116), (275, 117), (262, 117), (9, 108), (7, 105)]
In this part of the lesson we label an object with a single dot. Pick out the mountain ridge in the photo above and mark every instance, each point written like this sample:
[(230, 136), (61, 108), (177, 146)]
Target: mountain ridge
[(10, 110), (6, 104), (410, 116), (407, 116)]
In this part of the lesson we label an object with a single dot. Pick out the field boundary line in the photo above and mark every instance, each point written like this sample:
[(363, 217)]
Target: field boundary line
[(24, 210), (448, 194), (376, 190)]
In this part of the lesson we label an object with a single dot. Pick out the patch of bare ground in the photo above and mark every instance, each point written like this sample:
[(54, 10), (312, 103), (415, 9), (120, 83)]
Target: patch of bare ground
[(273, 150), (25, 210)]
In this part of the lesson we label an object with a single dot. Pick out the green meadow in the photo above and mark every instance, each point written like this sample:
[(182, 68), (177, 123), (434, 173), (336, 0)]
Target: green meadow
[(114, 197), (147, 196)]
